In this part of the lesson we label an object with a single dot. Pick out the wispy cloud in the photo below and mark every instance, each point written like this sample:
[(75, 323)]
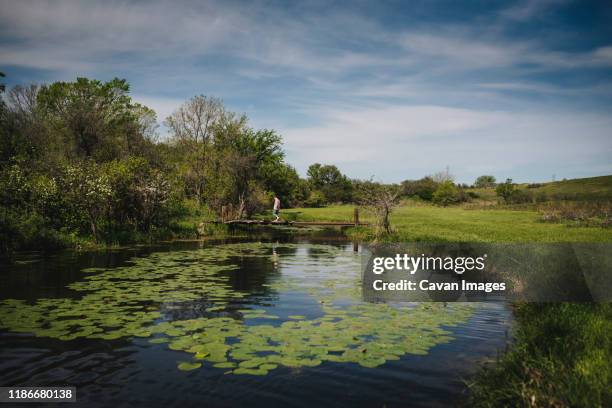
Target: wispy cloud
[(334, 79), (424, 139), (527, 9)]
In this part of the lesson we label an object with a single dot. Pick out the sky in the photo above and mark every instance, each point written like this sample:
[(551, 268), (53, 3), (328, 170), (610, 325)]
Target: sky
[(389, 90)]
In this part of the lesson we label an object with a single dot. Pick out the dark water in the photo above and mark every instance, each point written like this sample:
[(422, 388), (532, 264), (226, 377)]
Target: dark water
[(130, 371)]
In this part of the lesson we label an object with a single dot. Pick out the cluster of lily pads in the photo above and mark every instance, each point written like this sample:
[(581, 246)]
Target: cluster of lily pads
[(233, 333)]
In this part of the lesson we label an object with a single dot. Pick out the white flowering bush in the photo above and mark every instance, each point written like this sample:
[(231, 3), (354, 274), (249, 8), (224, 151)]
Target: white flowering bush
[(85, 192)]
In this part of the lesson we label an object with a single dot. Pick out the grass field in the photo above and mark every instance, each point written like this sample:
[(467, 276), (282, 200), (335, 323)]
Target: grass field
[(456, 224)]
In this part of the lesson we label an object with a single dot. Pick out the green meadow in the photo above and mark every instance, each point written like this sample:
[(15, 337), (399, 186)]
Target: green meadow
[(420, 222)]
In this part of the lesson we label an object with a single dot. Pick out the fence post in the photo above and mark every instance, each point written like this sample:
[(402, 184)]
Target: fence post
[(356, 216)]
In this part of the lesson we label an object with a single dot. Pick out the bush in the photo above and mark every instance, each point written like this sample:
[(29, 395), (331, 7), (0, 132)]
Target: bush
[(541, 197), (423, 188), (140, 194), (446, 193), (521, 197), (505, 190), (485, 182), (20, 230), (578, 214), (316, 199)]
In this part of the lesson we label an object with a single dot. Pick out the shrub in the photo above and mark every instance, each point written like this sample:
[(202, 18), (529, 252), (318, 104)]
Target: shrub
[(316, 199), (521, 197), (534, 185), (578, 214), (541, 197), (505, 190), (86, 192), (140, 194), (423, 188), (485, 182), (446, 193)]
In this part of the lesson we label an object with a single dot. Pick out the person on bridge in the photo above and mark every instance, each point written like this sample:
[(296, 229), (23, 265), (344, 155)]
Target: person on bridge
[(276, 208)]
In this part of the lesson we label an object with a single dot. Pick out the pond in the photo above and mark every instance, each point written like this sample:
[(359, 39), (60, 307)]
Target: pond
[(259, 322)]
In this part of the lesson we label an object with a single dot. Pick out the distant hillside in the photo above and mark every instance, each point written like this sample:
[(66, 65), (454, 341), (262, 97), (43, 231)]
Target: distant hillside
[(582, 189), (592, 188)]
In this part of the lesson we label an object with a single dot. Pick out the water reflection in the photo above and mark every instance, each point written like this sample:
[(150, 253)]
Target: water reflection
[(291, 311)]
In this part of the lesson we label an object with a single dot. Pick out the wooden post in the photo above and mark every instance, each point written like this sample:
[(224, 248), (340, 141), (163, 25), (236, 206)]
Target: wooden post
[(222, 213), (356, 216)]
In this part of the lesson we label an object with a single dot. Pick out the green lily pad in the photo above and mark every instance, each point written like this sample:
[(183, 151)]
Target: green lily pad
[(188, 366)]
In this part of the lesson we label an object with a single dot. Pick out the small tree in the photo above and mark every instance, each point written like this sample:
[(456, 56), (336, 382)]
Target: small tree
[(505, 190), (485, 181), (446, 194), (328, 179), (86, 192), (423, 188), (381, 200)]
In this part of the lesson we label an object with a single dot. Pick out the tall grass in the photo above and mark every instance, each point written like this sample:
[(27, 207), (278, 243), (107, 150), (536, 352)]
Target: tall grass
[(560, 358)]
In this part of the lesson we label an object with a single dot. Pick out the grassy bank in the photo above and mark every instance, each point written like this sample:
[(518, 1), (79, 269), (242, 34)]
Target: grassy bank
[(561, 353), (560, 358)]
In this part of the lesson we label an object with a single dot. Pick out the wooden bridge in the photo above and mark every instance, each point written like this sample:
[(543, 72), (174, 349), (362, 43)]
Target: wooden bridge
[(353, 223)]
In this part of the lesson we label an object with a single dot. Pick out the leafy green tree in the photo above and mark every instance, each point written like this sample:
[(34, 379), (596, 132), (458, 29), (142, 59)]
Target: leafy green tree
[(23, 135), (92, 119), (193, 126), (315, 199), (485, 182), (505, 190), (446, 193), (139, 194), (423, 188), (328, 179)]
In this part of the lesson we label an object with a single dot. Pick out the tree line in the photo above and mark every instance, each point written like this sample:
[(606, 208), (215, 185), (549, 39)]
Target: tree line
[(83, 159)]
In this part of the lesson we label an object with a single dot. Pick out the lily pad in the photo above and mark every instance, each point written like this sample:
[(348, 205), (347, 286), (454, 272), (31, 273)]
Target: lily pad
[(188, 366)]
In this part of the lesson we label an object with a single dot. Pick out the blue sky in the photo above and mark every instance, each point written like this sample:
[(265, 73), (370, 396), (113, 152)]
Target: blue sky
[(385, 89)]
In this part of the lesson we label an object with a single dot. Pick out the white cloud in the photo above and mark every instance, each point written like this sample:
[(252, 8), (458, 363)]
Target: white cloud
[(419, 96), (411, 141), (527, 9)]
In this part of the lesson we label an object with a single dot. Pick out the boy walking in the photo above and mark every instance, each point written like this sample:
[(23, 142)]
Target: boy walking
[(276, 208)]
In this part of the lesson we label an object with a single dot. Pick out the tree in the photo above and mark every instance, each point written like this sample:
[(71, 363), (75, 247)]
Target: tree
[(381, 200), (423, 188), (87, 191), (195, 120), (328, 179), (505, 190), (193, 126), (485, 181), (446, 194), (243, 164), (92, 119)]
